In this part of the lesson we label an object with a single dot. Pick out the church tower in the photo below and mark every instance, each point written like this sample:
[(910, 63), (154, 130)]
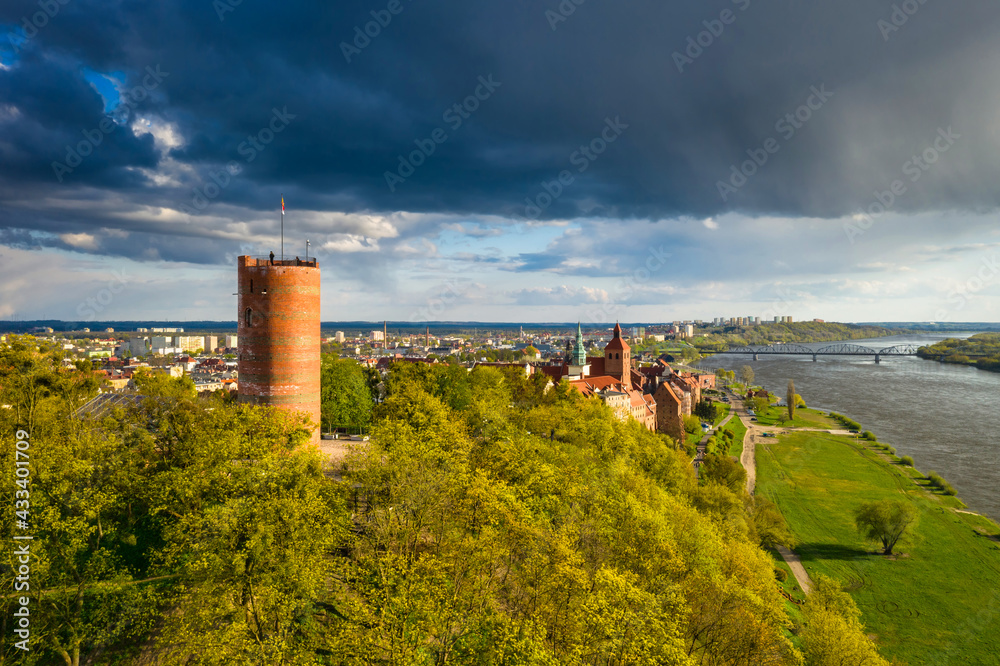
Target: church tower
[(579, 353), (577, 361), (617, 358)]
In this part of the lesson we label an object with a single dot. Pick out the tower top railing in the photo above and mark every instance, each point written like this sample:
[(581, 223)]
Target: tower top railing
[(308, 262)]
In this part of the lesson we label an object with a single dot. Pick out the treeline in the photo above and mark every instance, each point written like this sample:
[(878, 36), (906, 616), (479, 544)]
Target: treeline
[(981, 350), (488, 521), (805, 331)]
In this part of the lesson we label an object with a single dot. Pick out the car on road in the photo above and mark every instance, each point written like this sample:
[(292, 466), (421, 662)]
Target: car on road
[(768, 434), (854, 432), (754, 418)]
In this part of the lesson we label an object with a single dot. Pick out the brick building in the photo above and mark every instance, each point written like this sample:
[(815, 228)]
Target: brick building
[(279, 335)]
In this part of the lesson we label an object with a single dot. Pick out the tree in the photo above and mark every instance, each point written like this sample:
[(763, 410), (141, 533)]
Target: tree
[(833, 634), (346, 398), (747, 375), (770, 525), (725, 471), (706, 410), (790, 399), (692, 424), (885, 521), (760, 405)]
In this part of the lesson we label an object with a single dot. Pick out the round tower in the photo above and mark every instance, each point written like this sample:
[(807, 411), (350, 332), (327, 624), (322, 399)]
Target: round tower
[(279, 337)]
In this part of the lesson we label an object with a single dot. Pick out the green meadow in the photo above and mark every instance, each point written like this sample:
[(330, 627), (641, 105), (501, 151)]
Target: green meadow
[(937, 600)]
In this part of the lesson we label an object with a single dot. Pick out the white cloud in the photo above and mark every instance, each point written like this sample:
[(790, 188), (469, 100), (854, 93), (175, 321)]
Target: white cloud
[(82, 241)]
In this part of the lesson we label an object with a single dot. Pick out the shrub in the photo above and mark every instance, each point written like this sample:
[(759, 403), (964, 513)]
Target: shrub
[(891, 450), (907, 460), (780, 574), (869, 435), (938, 482)]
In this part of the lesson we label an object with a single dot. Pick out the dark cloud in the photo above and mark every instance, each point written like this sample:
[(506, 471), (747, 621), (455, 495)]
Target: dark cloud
[(608, 65)]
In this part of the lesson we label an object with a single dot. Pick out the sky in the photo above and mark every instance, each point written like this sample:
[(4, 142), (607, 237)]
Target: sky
[(504, 161)]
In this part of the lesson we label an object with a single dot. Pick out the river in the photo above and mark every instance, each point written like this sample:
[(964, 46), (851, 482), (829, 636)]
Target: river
[(946, 416)]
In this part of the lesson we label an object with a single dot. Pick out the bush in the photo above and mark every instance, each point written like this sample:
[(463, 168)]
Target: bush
[(891, 450), (938, 482), (869, 435), (907, 460), (780, 574)]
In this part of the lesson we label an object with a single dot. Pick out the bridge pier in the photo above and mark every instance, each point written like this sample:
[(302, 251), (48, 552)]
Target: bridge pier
[(878, 359), (814, 358), (755, 357)]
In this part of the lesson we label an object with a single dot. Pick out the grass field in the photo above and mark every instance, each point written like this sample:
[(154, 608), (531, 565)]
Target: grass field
[(804, 418), (723, 412), (938, 600), (739, 430)]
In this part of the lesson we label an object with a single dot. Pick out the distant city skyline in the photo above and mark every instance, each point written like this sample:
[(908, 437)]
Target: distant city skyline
[(647, 164)]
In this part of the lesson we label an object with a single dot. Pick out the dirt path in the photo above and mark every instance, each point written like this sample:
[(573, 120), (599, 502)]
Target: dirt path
[(798, 570), (749, 462)]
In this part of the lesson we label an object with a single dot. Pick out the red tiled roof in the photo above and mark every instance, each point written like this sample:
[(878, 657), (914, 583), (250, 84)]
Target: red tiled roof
[(556, 372)]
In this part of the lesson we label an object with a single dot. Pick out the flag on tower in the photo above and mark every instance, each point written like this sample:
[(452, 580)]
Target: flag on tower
[(282, 204)]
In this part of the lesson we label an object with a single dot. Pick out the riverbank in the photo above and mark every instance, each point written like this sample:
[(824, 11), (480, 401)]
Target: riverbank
[(980, 351), (942, 415), (938, 599)]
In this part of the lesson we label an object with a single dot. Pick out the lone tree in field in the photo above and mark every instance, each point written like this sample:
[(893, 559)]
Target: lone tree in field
[(791, 399), (885, 521), (746, 374)]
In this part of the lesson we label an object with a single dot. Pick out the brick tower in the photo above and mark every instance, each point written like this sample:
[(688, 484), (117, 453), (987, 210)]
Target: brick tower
[(279, 338), (617, 361)]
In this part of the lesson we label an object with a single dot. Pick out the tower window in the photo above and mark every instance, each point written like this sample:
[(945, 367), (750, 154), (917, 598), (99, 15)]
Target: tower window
[(618, 356), (248, 317)]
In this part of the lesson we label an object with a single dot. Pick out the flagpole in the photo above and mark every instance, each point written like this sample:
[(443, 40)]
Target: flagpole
[(282, 226)]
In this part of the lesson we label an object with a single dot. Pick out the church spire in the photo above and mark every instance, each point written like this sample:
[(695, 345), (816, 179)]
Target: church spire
[(579, 353)]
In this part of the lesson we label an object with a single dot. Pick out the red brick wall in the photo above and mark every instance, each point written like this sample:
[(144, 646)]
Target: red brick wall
[(279, 347), (669, 417)]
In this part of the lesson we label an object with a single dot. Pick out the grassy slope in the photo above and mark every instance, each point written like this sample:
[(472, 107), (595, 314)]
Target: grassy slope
[(723, 413), (739, 430), (938, 604)]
